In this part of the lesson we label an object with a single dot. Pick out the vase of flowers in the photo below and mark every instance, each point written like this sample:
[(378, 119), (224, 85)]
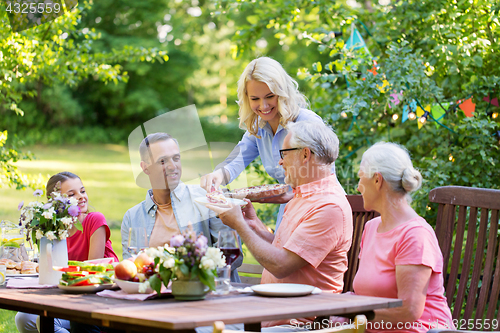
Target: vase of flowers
[(49, 223), (189, 263)]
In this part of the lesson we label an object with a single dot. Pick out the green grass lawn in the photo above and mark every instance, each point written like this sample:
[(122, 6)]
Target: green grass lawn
[(106, 173)]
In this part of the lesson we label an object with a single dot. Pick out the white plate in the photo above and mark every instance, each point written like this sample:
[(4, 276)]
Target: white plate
[(232, 201), (21, 275), (282, 289), (130, 287), (86, 289)]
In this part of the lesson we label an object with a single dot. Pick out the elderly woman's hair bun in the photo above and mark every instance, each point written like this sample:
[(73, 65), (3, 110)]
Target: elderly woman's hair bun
[(394, 164), (411, 180)]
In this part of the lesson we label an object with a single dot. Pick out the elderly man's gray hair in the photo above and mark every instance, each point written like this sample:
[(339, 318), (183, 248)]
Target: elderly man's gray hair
[(320, 138), (152, 138)]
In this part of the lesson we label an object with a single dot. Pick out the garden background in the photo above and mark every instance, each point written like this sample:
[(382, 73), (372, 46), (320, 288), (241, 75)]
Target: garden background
[(71, 90)]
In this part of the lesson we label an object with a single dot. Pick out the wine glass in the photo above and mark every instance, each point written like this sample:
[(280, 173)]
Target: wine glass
[(229, 245), (137, 240)]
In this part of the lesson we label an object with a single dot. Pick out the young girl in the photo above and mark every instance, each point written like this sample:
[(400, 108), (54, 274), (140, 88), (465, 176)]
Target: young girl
[(269, 99), (91, 243)]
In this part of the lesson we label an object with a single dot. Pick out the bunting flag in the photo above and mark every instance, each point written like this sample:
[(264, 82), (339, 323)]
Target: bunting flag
[(385, 83), (396, 99), (468, 107), (494, 101), (405, 113), (355, 41), (438, 112), (420, 113)]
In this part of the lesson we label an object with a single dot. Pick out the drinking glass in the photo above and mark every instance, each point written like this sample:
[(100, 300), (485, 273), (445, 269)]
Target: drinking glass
[(137, 240), (229, 245)]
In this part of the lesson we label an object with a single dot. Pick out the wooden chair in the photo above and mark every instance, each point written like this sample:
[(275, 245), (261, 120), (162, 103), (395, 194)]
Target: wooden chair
[(359, 326), (255, 270), (359, 218), (469, 238)]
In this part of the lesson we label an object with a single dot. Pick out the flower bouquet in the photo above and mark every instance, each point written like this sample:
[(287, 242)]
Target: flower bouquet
[(188, 258), (52, 219)]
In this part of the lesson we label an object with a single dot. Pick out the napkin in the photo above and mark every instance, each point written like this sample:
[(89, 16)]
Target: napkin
[(27, 283), (135, 297)]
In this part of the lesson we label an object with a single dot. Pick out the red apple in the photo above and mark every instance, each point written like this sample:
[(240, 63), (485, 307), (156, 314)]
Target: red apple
[(142, 260), (125, 270)]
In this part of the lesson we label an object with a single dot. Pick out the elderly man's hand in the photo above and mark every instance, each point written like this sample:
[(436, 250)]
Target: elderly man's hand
[(230, 215)]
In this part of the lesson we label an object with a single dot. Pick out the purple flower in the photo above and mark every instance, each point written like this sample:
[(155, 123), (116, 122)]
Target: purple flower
[(201, 242), (177, 240), (38, 193), (47, 205), (21, 204), (74, 211)]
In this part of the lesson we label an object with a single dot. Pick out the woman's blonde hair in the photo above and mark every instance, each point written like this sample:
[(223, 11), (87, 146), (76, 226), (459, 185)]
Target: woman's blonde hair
[(394, 164), (270, 72)]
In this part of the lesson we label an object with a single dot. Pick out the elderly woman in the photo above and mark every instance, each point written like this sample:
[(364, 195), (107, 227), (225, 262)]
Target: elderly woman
[(400, 255)]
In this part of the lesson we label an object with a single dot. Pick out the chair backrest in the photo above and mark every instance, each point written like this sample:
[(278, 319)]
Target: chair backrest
[(359, 217), (469, 238), (358, 326), (252, 273)]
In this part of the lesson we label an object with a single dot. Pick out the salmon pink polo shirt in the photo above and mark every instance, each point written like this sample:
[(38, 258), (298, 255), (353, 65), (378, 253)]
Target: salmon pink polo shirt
[(317, 226)]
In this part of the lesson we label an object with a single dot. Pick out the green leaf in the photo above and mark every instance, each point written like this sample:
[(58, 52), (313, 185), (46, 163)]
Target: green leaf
[(155, 283), (165, 275), (478, 60), (184, 269)]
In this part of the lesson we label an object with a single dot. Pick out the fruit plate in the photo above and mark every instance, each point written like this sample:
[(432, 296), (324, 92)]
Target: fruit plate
[(282, 289), (232, 201), (87, 289), (130, 287), (258, 192)]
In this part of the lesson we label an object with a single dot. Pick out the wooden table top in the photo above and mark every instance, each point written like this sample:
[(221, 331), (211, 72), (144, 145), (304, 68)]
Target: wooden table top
[(169, 314)]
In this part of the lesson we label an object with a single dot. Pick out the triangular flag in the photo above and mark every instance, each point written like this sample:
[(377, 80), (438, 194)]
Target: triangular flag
[(405, 113), (385, 83), (395, 99), (494, 101), (437, 112), (413, 105), (468, 107), (355, 41), (420, 113)]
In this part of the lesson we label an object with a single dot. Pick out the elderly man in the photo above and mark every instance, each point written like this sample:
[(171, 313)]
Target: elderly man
[(169, 206), (311, 245)]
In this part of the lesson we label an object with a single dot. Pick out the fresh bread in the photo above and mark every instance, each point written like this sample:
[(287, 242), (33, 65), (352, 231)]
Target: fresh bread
[(12, 271), (28, 267)]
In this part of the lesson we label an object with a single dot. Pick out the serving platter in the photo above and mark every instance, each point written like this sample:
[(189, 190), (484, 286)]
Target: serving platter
[(231, 201), (258, 192), (282, 289)]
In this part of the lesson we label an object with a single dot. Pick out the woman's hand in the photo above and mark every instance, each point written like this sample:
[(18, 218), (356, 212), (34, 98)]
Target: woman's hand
[(211, 182)]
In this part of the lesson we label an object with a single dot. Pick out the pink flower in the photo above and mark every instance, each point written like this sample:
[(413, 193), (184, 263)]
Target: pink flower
[(21, 204), (201, 242), (74, 211), (177, 240), (38, 193)]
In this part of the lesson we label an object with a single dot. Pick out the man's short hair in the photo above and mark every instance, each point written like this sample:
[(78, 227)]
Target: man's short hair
[(320, 138), (152, 138)]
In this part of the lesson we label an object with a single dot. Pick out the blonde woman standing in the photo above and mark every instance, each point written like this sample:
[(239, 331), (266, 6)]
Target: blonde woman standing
[(268, 99)]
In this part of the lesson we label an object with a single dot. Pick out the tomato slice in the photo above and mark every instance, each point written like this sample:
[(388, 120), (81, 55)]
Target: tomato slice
[(82, 283), (70, 268)]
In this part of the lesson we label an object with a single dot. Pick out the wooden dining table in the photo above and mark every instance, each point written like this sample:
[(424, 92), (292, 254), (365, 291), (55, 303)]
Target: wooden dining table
[(168, 315)]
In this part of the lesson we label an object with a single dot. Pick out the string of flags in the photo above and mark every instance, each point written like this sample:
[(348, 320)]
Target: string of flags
[(415, 110)]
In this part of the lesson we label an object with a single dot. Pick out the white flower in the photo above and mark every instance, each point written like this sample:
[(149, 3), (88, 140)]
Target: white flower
[(63, 234), (143, 287), (73, 201), (216, 256), (152, 252), (50, 235), (67, 221), (169, 263), (207, 263), (28, 215), (39, 234), (49, 213)]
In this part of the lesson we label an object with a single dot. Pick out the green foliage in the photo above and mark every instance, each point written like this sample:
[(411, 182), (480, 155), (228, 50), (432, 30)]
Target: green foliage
[(430, 51), (39, 66)]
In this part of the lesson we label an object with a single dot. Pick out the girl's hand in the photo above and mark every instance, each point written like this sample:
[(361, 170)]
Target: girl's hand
[(211, 182)]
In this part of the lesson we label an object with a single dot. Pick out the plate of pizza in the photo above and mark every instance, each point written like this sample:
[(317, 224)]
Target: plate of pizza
[(259, 192), (219, 199)]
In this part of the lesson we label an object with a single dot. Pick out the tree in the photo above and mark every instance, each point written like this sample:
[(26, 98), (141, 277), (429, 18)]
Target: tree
[(56, 53), (432, 53)]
